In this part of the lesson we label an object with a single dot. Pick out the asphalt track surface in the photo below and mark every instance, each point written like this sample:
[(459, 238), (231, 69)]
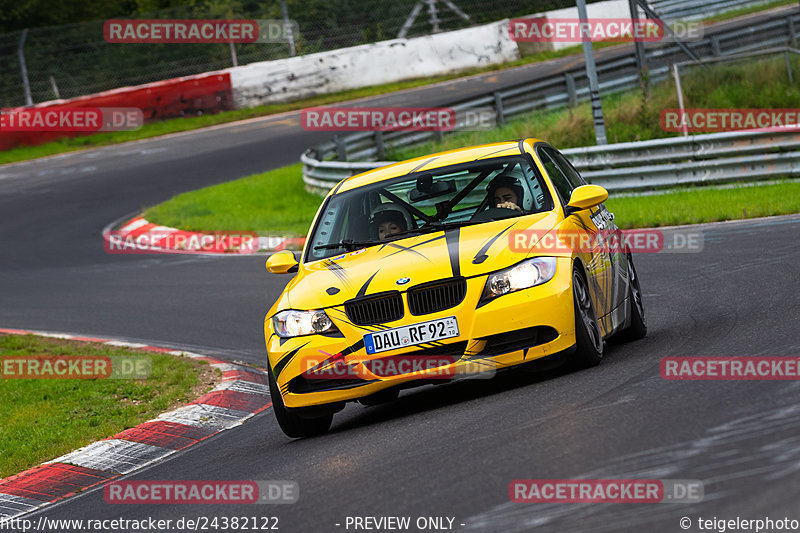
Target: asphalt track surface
[(449, 450)]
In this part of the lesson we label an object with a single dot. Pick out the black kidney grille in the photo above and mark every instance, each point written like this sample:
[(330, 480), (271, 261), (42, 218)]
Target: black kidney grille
[(436, 296), (375, 309)]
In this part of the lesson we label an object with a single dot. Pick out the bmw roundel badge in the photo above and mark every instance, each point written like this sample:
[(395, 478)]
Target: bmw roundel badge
[(403, 281)]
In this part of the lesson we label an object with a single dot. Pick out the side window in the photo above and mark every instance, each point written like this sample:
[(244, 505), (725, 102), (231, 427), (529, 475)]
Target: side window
[(560, 181), (572, 175)]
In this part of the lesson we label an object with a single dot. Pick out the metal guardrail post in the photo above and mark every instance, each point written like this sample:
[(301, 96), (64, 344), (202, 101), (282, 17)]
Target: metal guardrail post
[(715, 49), (341, 148), (21, 53), (379, 145), (570, 82), (498, 108), (638, 47), (677, 77), (792, 33)]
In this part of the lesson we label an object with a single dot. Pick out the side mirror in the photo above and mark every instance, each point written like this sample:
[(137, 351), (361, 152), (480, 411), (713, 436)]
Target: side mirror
[(282, 262), (584, 197)]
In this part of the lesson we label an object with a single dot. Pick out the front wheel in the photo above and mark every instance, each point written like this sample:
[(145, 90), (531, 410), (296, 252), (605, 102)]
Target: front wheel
[(638, 326), (292, 424), (588, 339)]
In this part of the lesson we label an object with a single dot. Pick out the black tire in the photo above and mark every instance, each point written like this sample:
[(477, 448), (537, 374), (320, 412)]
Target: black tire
[(292, 424), (638, 326), (588, 339)]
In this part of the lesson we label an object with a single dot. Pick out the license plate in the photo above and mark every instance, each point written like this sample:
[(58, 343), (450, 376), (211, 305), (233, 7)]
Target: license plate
[(391, 339)]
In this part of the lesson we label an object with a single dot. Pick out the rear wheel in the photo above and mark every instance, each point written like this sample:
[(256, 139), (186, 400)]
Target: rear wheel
[(638, 327), (290, 421), (588, 339)]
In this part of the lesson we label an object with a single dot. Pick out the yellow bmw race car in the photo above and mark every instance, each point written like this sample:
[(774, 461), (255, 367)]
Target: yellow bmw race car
[(455, 264)]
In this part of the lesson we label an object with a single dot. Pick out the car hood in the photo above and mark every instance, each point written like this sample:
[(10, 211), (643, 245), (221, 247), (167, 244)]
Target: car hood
[(467, 251)]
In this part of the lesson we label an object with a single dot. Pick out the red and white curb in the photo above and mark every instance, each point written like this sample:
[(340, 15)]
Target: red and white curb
[(243, 393), (149, 237)]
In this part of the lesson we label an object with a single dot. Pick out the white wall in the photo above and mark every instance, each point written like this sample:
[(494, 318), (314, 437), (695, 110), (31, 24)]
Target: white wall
[(610, 9), (371, 64), (390, 61)]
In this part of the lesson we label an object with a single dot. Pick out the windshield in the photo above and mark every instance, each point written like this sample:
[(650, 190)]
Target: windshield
[(422, 202)]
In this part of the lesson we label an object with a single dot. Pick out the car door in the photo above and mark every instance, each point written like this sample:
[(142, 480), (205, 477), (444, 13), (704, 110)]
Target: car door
[(604, 220), (596, 258)]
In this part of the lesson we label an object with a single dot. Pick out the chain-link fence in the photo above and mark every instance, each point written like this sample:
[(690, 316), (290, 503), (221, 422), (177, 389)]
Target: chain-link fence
[(72, 60)]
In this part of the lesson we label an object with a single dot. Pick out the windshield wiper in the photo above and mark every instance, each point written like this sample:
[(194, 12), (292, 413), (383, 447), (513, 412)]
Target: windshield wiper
[(351, 244), (346, 243), (438, 226)]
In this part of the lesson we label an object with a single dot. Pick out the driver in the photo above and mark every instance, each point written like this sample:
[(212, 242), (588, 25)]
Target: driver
[(387, 222), (505, 192)]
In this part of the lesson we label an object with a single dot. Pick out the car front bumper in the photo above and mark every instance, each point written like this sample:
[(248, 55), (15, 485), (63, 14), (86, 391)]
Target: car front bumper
[(509, 330)]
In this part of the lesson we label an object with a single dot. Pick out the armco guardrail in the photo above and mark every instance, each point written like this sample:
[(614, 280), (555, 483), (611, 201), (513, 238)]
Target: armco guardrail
[(695, 159), (326, 164), (697, 9)]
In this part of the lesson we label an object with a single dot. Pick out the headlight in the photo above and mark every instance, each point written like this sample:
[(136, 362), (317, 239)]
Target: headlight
[(295, 323), (522, 276)]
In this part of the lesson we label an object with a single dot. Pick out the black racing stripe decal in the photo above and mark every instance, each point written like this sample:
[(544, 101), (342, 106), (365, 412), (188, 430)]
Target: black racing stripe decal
[(353, 348), (283, 362), (492, 153), (604, 289), (412, 246), (419, 244), (336, 268), (481, 256), (481, 303), (452, 236), (363, 290), (402, 248), (416, 168), (522, 146), (343, 318)]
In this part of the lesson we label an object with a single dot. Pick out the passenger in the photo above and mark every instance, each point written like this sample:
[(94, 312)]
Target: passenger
[(388, 222), (505, 192)]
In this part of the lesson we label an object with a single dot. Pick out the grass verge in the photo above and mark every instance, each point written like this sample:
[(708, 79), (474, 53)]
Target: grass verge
[(41, 419), (271, 203), (275, 203), (695, 205)]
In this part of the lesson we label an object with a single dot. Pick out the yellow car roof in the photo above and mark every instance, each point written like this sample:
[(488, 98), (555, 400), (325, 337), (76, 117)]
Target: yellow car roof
[(431, 161)]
